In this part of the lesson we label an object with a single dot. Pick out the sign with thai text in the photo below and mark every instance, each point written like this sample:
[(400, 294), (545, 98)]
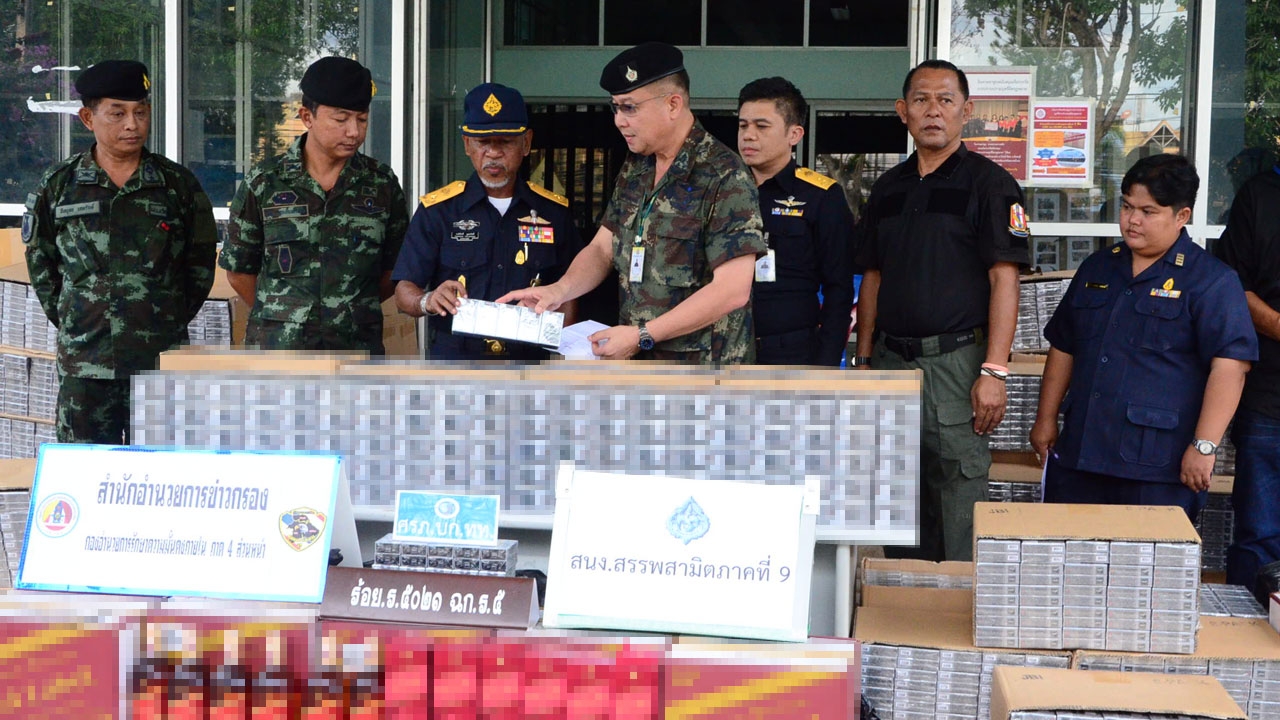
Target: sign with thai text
[(446, 518), (662, 554), (430, 598), (1062, 142), (245, 525)]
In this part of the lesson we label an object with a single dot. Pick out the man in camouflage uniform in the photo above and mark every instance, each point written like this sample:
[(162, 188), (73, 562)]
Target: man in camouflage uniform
[(120, 245), (683, 226), (315, 232)]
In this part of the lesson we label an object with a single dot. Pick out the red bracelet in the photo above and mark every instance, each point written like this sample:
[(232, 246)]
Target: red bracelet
[(997, 368)]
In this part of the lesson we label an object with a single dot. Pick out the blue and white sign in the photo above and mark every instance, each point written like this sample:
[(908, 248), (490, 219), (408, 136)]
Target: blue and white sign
[(243, 525), (663, 554), (445, 518)]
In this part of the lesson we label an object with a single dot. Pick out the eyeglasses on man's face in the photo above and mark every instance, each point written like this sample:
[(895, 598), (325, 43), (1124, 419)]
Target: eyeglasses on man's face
[(629, 109)]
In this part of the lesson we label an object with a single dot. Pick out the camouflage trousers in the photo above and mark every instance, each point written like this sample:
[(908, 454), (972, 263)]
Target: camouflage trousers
[(93, 411)]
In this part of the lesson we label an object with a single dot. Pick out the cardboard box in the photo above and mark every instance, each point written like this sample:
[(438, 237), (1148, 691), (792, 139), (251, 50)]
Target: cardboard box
[(1124, 523), (1017, 689), (943, 600), (17, 474), (267, 362), (11, 248)]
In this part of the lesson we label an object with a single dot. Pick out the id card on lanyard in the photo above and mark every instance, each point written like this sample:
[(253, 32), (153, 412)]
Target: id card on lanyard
[(637, 248)]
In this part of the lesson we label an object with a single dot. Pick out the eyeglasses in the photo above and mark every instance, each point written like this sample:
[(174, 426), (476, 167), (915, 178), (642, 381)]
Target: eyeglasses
[(630, 109)]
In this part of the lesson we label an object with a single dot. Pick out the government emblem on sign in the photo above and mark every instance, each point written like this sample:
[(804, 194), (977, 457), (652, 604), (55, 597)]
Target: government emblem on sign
[(57, 515), (689, 522), (301, 527)]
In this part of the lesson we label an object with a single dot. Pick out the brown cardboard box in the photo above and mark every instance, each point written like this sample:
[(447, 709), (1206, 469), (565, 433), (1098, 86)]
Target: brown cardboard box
[(17, 474), (1141, 523), (1052, 689), (1015, 472), (916, 573), (283, 362), (399, 332), (926, 628), (943, 600), (11, 248)]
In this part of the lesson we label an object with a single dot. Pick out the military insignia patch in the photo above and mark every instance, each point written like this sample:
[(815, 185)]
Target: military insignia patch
[(302, 527), (1018, 221), (492, 106), (790, 207), (28, 222), (1179, 259), (1115, 250), (150, 175), (1168, 284), (86, 176), (466, 225), (367, 207), (285, 260), (630, 74), (284, 198), (146, 82), (533, 219)]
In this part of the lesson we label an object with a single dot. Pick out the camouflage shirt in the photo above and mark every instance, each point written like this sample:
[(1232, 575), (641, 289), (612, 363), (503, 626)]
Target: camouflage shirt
[(318, 257), (121, 271), (704, 212)]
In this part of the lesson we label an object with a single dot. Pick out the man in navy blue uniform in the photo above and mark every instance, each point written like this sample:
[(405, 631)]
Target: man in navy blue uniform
[(1153, 339), (485, 236), (808, 227), (1251, 245)]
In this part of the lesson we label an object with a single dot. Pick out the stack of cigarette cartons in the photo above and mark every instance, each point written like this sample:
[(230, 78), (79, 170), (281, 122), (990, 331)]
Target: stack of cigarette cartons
[(1038, 298), (1085, 576), (423, 555), (15, 501), (1069, 695), (1013, 482), (1229, 601), (1216, 524), (918, 658), (1023, 398), (917, 573), (1243, 654)]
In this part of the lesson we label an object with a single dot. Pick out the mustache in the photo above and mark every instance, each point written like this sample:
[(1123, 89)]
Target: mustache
[(493, 164)]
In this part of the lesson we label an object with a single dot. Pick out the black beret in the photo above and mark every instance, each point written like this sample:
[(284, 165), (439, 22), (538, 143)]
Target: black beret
[(117, 79), (640, 66), (339, 82), (493, 109)]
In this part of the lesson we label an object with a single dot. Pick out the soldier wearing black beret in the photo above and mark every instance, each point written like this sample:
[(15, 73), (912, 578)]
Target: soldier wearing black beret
[(683, 227), (120, 246), (315, 232)]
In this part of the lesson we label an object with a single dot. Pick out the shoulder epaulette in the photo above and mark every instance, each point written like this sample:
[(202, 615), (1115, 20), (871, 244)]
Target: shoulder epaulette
[(453, 189), (553, 197), (814, 178)]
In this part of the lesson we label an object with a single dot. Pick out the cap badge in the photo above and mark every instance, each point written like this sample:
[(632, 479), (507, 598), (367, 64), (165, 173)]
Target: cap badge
[(146, 82), (492, 106), (373, 88), (630, 74)]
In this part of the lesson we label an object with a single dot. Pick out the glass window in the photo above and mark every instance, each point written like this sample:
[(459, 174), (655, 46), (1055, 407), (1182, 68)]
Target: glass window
[(551, 22), (850, 23), (1128, 58), (856, 148), (243, 63), (1246, 100), (63, 34), (755, 22), (631, 22)]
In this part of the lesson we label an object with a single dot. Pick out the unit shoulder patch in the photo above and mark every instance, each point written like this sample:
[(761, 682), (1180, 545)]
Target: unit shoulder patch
[(553, 197), (814, 178), (453, 189)]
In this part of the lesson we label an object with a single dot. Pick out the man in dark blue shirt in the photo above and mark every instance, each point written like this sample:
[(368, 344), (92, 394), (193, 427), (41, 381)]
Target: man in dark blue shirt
[(1251, 245), (1153, 339), (809, 229), (485, 236)]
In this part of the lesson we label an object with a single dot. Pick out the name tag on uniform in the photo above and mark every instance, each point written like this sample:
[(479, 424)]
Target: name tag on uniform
[(283, 212), (77, 210), (637, 264), (767, 267)]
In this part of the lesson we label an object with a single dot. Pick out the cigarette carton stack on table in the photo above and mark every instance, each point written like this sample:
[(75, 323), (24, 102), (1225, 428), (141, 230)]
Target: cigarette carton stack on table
[(1085, 576), (424, 556)]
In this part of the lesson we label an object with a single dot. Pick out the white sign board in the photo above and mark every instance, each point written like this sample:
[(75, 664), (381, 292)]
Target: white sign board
[(663, 554), (245, 525)]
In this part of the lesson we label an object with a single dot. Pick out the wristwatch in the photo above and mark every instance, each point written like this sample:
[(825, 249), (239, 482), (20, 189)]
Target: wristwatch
[(646, 340), (1204, 447), (422, 302), (861, 360)]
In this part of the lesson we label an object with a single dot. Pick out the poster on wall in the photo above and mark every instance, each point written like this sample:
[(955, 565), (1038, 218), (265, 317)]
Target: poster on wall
[(1062, 143), (997, 128)]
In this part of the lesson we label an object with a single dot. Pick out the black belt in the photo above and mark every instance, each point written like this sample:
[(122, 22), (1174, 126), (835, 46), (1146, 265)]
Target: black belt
[(912, 348)]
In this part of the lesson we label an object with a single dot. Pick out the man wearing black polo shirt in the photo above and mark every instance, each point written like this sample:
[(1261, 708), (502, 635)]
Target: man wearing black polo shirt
[(941, 241)]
